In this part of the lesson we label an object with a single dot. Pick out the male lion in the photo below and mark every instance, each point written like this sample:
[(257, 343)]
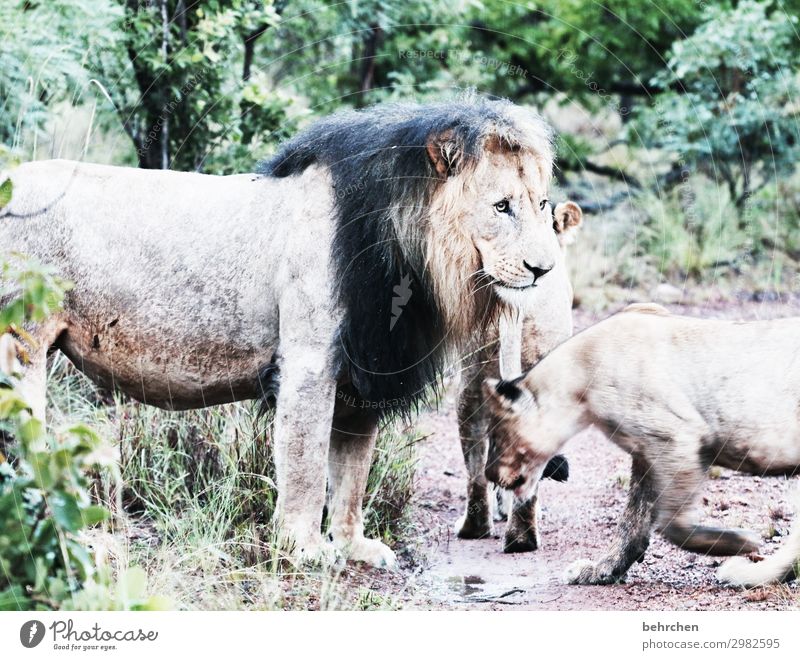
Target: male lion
[(678, 394), (341, 278)]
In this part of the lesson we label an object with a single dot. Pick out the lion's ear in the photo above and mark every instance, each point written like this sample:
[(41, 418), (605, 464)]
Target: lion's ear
[(567, 218), (444, 152)]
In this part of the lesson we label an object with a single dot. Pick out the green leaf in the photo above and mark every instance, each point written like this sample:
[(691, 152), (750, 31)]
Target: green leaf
[(14, 598), (6, 188), (155, 604), (94, 514), (65, 511), (132, 585)]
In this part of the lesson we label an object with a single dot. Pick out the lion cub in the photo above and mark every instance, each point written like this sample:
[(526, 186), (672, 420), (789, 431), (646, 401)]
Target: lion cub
[(678, 394)]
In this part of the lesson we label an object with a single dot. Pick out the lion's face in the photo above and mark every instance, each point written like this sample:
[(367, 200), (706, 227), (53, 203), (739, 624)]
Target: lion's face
[(508, 219), (522, 437), (492, 233)]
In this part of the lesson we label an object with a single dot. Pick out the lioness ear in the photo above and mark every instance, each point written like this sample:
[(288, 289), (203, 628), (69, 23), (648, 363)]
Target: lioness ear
[(509, 394), (444, 152), (567, 218), (489, 388)]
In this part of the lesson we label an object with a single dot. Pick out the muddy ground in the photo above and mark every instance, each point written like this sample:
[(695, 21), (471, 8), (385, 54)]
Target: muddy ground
[(441, 571)]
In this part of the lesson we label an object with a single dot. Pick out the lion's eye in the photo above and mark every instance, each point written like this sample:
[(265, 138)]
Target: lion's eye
[(542, 204), (502, 206)]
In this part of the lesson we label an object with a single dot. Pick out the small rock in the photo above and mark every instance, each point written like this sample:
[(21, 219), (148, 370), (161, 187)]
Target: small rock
[(757, 595)]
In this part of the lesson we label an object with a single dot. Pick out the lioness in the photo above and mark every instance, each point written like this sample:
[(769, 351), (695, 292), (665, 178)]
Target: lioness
[(679, 394)]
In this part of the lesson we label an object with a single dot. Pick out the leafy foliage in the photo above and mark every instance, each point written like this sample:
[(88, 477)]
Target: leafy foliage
[(45, 502), (566, 45), (729, 105), (181, 96), (43, 59)]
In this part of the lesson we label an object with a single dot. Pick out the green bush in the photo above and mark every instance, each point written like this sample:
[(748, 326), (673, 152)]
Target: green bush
[(728, 109), (45, 480)]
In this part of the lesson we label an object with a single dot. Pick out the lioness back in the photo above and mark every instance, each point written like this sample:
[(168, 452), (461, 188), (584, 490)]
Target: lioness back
[(741, 378)]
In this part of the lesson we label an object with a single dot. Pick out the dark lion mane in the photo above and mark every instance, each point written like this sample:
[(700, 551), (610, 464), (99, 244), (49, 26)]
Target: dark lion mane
[(392, 344)]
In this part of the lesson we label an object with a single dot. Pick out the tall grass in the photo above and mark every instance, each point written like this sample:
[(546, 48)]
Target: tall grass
[(695, 232), (690, 235), (199, 495)]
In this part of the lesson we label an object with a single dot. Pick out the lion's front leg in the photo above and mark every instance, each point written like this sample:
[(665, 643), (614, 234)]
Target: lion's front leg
[(352, 443), (302, 438), (632, 536)]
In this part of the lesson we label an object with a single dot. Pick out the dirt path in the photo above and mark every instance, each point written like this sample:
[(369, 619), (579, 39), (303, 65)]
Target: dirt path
[(577, 522)]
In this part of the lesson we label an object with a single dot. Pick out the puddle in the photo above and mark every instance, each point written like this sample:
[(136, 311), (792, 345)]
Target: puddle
[(465, 585)]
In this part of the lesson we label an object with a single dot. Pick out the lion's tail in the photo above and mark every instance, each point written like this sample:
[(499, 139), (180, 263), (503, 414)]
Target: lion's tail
[(742, 572)]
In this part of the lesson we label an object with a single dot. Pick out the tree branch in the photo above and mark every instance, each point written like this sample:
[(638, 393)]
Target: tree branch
[(612, 173), (249, 49)]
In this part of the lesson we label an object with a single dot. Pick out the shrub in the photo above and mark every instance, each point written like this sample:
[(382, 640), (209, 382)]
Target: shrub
[(45, 502), (728, 109)]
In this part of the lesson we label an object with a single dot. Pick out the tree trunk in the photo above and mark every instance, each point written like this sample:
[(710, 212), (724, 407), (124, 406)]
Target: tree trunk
[(165, 56), (370, 51), (249, 49)]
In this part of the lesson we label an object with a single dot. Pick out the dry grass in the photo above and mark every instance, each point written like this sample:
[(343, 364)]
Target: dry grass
[(198, 497)]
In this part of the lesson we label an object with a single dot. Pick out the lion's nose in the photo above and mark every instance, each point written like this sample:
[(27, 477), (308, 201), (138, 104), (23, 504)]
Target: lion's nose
[(537, 271)]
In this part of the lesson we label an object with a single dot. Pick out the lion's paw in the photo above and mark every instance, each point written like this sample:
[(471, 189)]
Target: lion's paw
[(311, 551), (584, 571), (467, 527), (525, 541), (372, 552), (741, 572)]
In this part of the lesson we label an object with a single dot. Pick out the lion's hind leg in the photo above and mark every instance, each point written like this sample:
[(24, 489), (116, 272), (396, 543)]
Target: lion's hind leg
[(712, 540), (680, 477)]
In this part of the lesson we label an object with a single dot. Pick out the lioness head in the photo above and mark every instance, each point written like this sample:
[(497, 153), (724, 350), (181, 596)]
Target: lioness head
[(524, 436)]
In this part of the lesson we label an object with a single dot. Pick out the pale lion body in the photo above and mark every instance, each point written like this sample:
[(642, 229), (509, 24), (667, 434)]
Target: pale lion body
[(192, 290), (679, 394)]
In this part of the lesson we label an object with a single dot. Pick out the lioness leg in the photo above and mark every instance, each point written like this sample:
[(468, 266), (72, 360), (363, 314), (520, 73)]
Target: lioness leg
[(302, 438), (632, 535), (352, 444), (680, 477), (476, 523), (522, 533)]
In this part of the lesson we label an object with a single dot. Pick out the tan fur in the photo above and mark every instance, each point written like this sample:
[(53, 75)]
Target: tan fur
[(679, 394), (187, 284), (9, 363), (647, 308), (567, 219), (517, 341), (473, 254)]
